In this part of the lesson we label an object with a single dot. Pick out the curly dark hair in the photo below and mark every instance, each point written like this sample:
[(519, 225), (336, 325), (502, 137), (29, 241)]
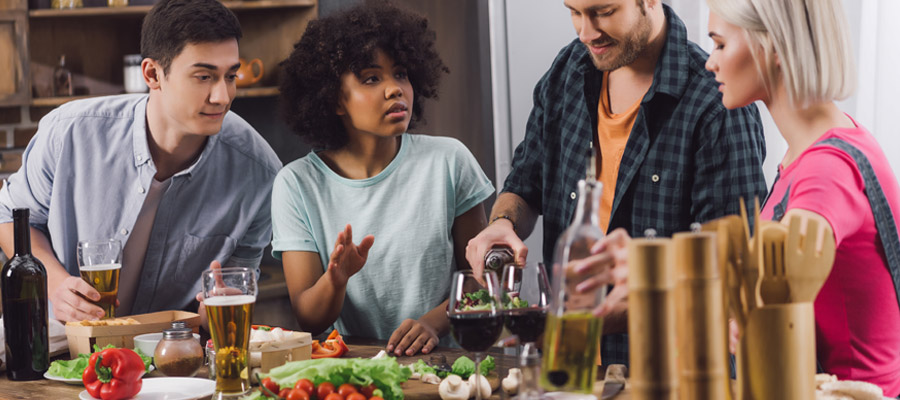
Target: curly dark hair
[(347, 42)]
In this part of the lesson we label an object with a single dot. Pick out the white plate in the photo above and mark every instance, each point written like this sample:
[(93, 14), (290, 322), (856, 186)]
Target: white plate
[(170, 389), (72, 381)]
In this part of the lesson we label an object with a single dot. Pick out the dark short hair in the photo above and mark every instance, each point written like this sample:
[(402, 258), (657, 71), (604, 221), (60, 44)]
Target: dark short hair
[(347, 42), (173, 24)]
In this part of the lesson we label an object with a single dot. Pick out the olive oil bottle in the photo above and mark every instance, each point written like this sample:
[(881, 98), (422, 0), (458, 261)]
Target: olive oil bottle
[(572, 335)]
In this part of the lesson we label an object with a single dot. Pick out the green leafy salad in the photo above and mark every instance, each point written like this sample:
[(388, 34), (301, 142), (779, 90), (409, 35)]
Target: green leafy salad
[(514, 301), (73, 369), (480, 300)]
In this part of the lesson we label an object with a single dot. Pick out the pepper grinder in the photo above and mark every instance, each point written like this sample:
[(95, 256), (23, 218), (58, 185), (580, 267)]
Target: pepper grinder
[(701, 317), (651, 320)]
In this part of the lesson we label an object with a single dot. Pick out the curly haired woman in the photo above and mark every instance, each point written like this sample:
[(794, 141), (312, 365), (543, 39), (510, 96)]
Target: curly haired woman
[(354, 83)]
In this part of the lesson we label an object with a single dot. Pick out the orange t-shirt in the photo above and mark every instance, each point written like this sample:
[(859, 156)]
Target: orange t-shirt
[(612, 136)]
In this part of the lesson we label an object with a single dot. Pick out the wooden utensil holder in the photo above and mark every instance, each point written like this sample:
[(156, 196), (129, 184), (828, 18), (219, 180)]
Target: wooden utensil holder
[(782, 351)]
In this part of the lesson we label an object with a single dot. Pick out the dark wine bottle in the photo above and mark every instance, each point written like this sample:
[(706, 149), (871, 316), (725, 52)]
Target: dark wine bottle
[(24, 286)]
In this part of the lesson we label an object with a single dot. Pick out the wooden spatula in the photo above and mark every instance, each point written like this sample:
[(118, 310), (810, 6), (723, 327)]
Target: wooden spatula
[(773, 285), (807, 262)]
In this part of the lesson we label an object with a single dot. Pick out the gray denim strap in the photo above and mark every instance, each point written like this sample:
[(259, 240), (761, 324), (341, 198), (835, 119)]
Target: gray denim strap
[(780, 208), (881, 209)]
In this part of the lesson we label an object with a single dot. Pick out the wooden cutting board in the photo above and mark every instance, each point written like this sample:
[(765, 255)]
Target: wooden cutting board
[(414, 389)]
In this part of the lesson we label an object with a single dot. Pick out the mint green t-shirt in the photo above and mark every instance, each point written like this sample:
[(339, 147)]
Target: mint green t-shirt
[(409, 207)]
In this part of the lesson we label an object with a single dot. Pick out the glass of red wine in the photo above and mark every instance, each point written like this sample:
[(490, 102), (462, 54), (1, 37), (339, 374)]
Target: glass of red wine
[(526, 298), (475, 312)]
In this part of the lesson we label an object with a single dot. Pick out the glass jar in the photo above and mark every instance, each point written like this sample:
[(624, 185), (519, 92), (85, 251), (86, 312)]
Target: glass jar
[(62, 4), (133, 76), (178, 353)]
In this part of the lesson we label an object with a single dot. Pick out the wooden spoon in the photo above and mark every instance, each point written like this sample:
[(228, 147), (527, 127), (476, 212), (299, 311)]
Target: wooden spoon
[(807, 263)]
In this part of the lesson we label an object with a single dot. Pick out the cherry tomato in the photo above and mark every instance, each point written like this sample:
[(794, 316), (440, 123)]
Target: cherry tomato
[(356, 396), (367, 390), (284, 393), (306, 385), (273, 387), (324, 389), (346, 389), (375, 398), (297, 394), (333, 396)]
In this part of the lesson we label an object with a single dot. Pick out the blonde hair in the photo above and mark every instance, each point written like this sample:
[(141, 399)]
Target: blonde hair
[(810, 38)]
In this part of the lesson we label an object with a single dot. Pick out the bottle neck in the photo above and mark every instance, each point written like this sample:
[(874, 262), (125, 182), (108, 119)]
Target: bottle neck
[(588, 203), (22, 236)]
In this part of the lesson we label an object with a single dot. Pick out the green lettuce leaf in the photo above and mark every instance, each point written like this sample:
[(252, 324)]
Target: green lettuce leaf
[(73, 369), (464, 366), (385, 373), (69, 369)]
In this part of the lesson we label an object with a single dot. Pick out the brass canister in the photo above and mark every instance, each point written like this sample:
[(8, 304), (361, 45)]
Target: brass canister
[(701, 317), (651, 320), (783, 356)]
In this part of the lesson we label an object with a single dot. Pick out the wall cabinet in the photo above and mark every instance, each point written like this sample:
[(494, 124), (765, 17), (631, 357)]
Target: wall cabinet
[(14, 78), (94, 41)]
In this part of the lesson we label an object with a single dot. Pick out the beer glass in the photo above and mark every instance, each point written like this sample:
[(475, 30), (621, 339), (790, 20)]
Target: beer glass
[(229, 295), (99, 262)]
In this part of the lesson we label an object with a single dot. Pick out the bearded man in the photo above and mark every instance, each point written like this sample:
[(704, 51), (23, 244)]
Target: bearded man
[(669, 154)]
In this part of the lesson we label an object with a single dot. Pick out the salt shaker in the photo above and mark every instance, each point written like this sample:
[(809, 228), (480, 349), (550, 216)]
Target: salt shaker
[(178, 353)]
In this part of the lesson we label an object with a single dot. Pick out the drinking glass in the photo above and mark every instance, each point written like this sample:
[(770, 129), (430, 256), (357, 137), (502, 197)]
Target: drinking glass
[(475, 313), (99, 262), (526, 298), (229, 295)]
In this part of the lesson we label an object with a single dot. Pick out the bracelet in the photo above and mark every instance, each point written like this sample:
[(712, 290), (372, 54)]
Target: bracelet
[(506, 217)]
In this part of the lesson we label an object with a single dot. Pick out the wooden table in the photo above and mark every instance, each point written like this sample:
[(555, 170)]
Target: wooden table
[(366, 348)]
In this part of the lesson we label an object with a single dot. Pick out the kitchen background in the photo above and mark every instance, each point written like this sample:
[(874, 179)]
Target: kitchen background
[(496, 51)]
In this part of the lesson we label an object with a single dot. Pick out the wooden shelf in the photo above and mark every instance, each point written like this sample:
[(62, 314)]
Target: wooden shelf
[(241, 93), (141, 10)]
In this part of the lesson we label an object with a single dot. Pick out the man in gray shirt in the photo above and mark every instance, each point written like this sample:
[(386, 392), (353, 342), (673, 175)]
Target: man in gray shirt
[(182, 182)]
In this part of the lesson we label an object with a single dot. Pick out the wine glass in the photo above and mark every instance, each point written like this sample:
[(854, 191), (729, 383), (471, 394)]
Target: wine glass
[(526, 298), (475, 313)]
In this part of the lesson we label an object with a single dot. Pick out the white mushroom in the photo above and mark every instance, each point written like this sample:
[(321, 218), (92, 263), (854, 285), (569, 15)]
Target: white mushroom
[(431, 378), (510, 384), (483, 383), (453, 388)]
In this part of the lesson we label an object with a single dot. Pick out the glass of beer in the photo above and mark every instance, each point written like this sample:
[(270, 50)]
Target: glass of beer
[(99, 262), (229, 295)]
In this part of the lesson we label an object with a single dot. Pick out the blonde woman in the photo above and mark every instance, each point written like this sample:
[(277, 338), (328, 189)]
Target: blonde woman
[(795, 57)]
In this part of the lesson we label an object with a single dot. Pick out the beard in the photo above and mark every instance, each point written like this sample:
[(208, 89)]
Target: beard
[(630, 48)]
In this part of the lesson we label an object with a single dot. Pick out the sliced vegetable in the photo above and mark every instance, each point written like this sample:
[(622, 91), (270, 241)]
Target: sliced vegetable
[(332, 347)]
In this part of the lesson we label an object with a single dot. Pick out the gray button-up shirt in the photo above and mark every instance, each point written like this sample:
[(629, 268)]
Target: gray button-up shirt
[(85, 175)]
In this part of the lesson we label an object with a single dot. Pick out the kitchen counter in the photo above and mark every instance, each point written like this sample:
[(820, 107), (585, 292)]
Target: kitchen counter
[(413, 390)]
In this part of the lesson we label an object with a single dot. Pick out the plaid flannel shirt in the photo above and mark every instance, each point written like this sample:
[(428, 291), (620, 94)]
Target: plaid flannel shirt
[(687, 159)]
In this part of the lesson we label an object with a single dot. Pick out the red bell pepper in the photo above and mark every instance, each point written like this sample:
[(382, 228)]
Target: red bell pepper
[(332, 347), (114, 374)]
